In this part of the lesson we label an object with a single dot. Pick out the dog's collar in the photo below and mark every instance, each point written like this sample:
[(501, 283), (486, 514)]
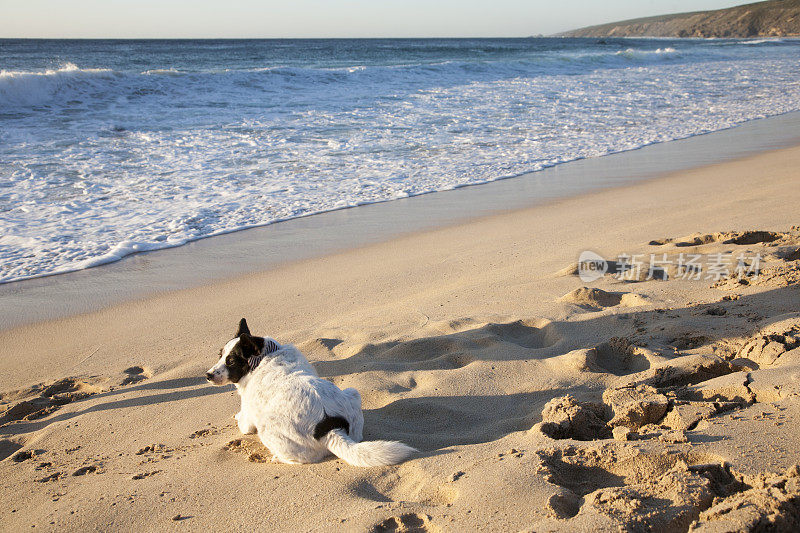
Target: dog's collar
[(269, 347)]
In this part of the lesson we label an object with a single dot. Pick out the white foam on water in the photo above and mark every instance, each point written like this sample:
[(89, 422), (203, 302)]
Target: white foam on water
[(97, 164)]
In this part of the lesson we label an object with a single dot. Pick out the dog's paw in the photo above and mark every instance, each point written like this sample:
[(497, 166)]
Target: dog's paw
[(285, 460), (245, 427)]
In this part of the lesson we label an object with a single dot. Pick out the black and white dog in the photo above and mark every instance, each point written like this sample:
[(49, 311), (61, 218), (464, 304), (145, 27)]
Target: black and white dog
[(300, 417)]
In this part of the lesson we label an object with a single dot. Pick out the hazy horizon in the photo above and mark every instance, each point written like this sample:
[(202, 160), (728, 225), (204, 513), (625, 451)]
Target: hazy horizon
[(211, 19)]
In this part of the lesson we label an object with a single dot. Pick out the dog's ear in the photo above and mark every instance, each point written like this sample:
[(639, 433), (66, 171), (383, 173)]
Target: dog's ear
[(242, 328), (250, 345)]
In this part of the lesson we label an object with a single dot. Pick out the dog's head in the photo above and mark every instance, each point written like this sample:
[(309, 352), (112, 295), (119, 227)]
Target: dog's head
[(234, 356)]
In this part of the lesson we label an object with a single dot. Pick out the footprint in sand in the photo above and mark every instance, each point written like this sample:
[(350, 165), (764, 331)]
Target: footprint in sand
[(205, 432), (789, 254), (616, 356), (52, 477), (41, 400), (143, 475), (251, 447), (688, 342), (153, 453), (671, 399), (82, 471), (728, 237), (135, 374), (29, 410), (592, 482), (152, 448), (26, 454), (619, 357), (406, 523)]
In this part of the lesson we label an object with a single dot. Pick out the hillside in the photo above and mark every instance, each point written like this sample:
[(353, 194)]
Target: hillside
[(774, 18)]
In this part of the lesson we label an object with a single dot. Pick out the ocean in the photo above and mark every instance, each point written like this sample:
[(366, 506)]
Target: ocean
[(111, 147)]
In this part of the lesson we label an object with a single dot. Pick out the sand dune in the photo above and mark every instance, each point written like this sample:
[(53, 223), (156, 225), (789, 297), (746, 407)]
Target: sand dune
[(539, 402)]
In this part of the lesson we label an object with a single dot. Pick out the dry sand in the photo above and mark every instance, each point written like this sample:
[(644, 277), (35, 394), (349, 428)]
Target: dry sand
[(538, 402)]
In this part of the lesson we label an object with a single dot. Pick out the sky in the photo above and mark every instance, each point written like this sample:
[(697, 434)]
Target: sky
[(321, 18)]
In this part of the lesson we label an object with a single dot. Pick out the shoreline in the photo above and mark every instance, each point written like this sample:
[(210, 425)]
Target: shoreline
[(589, 212), (241, 252)]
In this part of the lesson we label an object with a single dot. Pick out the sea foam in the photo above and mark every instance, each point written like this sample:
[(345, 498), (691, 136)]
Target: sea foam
[(112, 152)]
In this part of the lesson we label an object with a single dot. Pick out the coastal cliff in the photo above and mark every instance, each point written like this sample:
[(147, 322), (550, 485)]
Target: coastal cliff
[(774, 18)]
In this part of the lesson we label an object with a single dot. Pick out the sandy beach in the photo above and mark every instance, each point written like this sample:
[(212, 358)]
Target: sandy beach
[(538, 401)]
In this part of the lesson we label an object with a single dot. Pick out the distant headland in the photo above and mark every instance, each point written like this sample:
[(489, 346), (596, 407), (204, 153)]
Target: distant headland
[(774, 18)]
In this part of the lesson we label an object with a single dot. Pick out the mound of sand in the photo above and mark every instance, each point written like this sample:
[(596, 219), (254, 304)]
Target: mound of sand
[(594, 298)]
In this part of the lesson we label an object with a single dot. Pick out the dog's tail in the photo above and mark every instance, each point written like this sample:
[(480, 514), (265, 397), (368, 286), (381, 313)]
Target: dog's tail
[(369, 453)]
